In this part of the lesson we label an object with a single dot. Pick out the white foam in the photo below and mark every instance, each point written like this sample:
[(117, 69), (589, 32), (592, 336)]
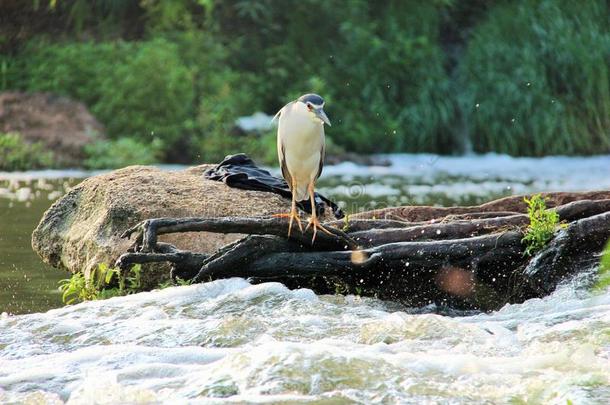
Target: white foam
[(292, 345), (276, 343), (548, 173)]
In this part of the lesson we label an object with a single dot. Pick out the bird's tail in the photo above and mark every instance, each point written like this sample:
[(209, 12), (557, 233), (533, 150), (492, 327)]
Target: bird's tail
[(300, 193)]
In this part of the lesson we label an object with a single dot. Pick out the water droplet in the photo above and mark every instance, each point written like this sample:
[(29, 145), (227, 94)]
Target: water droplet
[(477, 105)]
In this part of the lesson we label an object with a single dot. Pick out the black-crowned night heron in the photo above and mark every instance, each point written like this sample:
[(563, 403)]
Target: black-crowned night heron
[(300, 148)]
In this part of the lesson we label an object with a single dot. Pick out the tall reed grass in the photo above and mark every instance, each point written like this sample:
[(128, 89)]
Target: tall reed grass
[(535, 79)]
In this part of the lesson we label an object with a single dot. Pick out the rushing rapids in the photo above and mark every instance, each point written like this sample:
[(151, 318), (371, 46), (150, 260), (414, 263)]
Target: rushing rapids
[(230, 342)]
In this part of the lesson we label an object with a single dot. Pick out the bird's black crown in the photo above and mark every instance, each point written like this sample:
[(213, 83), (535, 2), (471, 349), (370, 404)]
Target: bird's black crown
[(311, 98)]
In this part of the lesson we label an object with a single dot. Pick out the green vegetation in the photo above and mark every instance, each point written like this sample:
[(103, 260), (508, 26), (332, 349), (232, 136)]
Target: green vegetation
[(138, 90), (536, 79), (602, 283), (178, 282), (121, 153), (17, 154), (524, 77), (103, 282), (543, 224)]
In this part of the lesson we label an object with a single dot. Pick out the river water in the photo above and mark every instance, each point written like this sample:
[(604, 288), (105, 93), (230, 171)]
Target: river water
[(232, 342)]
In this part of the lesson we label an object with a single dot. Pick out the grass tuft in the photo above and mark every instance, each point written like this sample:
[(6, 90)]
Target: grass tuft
[(543, 224)]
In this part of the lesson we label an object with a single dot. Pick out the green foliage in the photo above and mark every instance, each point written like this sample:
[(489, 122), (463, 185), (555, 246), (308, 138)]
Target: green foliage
[(120, 153), (17, 154), (602, 282), (536, 78), (77, 289), (543, 224), (10, 78), (77, 70), (150, 96), (379, 68), (103, 282), (140, 89), (222, 102), (403, 103), (524, 77), (171, 283)]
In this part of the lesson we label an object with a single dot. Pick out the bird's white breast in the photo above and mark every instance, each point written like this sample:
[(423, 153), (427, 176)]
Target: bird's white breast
[(302, 138)]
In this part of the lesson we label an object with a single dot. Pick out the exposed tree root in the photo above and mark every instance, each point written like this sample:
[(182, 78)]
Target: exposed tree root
[(466, 257)]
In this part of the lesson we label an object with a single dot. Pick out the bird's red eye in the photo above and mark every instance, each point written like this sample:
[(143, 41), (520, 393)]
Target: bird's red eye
[(309, 106)]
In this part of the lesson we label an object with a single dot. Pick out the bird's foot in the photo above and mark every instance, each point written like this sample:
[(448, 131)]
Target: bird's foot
[(293, 216), (315, 223)]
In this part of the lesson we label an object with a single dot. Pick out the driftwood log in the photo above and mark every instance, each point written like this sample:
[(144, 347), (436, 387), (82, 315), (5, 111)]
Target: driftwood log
[(462, 257)]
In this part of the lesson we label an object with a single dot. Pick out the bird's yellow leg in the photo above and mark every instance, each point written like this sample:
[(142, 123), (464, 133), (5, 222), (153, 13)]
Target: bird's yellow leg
[(293, 214), (313, 220)]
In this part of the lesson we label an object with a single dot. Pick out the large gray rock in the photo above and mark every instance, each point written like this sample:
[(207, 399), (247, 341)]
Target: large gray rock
[(83, 228)]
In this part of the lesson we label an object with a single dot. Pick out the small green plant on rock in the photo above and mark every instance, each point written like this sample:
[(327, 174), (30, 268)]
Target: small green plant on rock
[(174, 283), (77, 289), (103, 282), (602, 282), (543, 224)]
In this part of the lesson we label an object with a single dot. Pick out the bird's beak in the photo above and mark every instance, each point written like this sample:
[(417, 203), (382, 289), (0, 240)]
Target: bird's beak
[(322, 115)]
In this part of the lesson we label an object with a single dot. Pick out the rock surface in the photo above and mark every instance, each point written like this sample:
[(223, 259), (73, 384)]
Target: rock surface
[(83, 228), (64, 126)]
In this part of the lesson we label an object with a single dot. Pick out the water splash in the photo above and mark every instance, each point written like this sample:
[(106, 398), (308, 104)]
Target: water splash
[(229, 342)]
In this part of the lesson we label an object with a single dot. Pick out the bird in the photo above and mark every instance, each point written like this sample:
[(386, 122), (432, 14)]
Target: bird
[(300, 150)]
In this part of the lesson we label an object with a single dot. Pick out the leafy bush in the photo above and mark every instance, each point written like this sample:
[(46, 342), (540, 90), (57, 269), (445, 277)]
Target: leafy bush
[(536, 79), (103, 282), (77, 70), (222, 102), (403, 103), (543, 224), (138, 89), (17, 154), (11, 74), (150, 96), (533, 78), (123, 152), (379, 68)]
